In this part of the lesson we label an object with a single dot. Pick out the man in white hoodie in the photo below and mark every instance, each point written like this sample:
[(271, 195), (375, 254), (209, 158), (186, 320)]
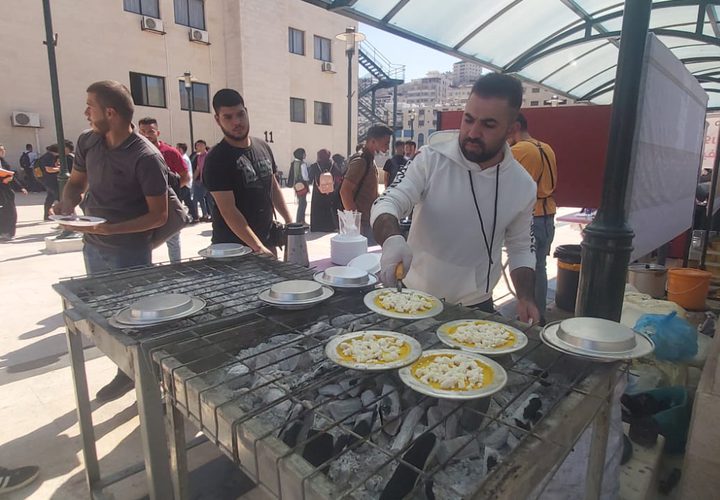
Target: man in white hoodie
[(469, 198)]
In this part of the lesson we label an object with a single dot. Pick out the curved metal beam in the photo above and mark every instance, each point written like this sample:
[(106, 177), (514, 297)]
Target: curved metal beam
[(611, 34), (492, 19), (600, 90), (555, 38)]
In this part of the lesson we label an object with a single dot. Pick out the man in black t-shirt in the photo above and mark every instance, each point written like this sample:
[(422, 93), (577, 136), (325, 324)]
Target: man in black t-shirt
[(394, 164), (239, 173)]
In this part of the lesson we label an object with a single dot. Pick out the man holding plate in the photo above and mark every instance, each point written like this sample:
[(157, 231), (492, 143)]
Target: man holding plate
[(469, 199)]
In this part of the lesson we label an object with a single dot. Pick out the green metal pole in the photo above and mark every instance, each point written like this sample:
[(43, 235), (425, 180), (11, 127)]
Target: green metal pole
[(607, 241), (50, 42)]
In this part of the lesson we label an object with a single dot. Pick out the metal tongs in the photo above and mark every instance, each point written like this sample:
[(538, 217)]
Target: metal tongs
[(399, 272)]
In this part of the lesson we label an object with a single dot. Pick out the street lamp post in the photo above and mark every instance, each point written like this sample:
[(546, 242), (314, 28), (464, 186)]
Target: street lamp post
[(351, 37), (187, 78), (411, 119)]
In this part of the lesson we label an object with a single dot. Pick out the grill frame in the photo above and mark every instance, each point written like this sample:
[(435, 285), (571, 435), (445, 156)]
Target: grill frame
[(87, 312)]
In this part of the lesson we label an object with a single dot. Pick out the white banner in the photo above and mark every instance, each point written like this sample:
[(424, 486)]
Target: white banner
[(667, 150)]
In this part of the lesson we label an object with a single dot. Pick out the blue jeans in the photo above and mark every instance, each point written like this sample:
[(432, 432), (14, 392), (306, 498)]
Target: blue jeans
[(201, 196), (173, 244), (100, 259), (302, 206), (544, 231)]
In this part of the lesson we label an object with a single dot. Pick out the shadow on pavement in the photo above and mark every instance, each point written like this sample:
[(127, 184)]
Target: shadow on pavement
[(48, 325)]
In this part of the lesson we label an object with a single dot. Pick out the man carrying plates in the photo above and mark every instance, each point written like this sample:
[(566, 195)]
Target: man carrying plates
[(469, 198)]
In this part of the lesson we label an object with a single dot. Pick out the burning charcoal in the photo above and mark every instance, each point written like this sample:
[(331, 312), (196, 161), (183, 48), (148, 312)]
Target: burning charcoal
[(330, 390), (320, 449), (390, 410), (407, 428), (341, 321), (318, 327), (368, 398), (458, 449), (271, 395), (491, 459), (528, 413), (451, 426), (497, 438), (362, 428), (343, 408), (359, 325), (351, 386), (238, 376), (471, 415), (419, 430), (403, 480), (289, 435)]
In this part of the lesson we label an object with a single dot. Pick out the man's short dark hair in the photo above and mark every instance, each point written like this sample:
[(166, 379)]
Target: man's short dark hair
[(378, 132), (411, 143), (182, 147), (112, 94), (299, 153), (399, 143), (227, 98), (53, 148), (200, 141), (522, 121), (500, 86), (148, 120), (69, 145), (28, 146)]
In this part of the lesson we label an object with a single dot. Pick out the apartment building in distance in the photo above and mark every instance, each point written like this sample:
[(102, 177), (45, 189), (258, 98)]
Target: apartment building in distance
[(281, 55)]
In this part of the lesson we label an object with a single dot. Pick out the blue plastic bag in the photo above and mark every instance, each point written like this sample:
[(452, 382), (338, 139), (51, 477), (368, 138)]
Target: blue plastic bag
[(675, 339)]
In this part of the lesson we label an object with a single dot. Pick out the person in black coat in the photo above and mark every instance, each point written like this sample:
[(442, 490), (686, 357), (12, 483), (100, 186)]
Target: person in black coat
[(8, 211), (323, 208)]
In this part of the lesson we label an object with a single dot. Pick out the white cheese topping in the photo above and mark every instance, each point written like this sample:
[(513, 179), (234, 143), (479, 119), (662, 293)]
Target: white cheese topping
[(451, 372), (485, 335), (405, 302), (371, 348)]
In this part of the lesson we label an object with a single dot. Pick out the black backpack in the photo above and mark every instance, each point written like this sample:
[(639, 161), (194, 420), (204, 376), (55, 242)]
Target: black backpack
[(25, 159)]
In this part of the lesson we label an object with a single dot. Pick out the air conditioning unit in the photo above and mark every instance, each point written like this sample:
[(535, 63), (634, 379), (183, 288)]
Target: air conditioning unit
[(328, 67), (23, 119), (152, 24), (199, 36)]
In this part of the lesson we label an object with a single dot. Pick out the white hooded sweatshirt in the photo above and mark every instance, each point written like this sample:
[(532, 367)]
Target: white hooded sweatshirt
[(450, 254)]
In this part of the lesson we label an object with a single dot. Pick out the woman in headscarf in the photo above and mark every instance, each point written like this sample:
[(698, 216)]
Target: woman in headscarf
[(324, 176)]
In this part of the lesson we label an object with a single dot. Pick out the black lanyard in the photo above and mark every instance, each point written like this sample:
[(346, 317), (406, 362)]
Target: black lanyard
[(490, 245)]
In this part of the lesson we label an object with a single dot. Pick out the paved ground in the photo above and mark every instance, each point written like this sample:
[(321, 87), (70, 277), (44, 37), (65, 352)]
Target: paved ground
[(37, 404)]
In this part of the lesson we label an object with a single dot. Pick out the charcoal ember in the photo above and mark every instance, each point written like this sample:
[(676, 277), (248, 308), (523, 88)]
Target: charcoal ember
[(452, 450), (491, 458), (319, 448), (321, 328), (332, 390), (390, 410), (404, 478), (361, 429), (407, 428), (496, 436), (368, 398), (360, 324), (528, 413), (419, 430), (343, 408), (472, 414), (343, 320), (515, 378), (351, 386), (352, 466), (272, 395), (238, 376), (442, 419)]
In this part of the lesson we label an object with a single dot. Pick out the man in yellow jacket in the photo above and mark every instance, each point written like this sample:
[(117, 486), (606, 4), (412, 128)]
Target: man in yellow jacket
[(538, 158)]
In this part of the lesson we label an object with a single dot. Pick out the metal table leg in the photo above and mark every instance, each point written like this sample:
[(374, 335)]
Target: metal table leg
[(152, 429), (598, 449), (84, 413), (178, 452)]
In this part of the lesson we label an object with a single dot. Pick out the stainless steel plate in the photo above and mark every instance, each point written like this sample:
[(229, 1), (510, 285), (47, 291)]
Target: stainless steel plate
[(78, 220), (446, 335), (224, 251), (499, 377), (295, 291), (325, 293), (414, 350), (125, 319), (372, 281), (597, 335), (643, 347), (344, 275)]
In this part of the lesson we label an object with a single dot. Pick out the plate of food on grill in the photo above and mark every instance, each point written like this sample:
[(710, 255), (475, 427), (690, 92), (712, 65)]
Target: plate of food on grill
[(373, 350), (453, 374), (407, 304), (482, 336)]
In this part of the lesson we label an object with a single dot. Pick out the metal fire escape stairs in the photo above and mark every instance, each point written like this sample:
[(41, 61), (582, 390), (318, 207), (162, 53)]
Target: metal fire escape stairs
[(382, 74)]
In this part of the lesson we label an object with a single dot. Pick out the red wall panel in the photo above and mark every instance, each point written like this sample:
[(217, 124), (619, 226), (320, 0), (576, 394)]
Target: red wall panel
[(579, 136)]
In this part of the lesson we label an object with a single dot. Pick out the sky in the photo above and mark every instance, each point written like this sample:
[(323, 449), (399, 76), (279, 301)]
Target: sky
[(418, 59)]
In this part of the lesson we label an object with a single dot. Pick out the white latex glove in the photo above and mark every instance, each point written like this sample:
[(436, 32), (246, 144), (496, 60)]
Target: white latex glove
[(394, 251)]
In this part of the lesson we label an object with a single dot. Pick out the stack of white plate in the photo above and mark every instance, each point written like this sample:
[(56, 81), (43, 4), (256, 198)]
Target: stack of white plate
[(345, 277), (368, 262), (224, 251), (344, 248), (596, 339), (157, 309), (295, 294)]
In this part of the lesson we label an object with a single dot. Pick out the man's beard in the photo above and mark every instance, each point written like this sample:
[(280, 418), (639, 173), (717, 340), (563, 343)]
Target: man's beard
[(478, 157), (101, 127), (238, 138)]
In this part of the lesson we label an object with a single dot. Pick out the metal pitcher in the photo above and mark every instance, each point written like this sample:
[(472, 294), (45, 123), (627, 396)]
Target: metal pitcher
[(296, 247)]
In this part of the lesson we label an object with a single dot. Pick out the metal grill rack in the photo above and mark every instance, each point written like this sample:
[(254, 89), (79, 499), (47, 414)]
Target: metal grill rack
[(256, 381)]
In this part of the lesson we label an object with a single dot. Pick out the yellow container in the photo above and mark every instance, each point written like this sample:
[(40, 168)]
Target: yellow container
[(688, 287)]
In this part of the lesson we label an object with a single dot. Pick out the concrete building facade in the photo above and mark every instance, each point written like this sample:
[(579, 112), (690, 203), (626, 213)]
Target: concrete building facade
[(282, 56)]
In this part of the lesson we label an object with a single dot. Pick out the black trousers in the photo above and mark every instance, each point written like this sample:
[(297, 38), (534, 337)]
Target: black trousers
[(186, 197), (53, 195), (8, 213), (486, 306)]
